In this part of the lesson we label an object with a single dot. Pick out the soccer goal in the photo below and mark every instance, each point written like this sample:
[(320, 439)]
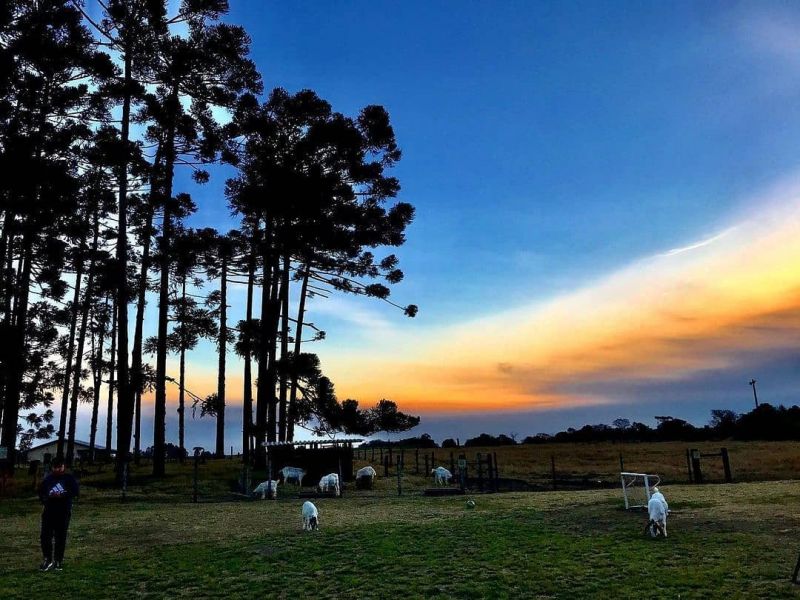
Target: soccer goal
[(636, 488)]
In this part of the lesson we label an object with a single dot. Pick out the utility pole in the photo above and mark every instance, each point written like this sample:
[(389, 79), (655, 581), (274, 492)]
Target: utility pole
[(755, 395)]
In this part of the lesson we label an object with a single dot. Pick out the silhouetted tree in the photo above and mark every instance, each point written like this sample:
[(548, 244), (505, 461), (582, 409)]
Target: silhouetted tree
[(385, 416)]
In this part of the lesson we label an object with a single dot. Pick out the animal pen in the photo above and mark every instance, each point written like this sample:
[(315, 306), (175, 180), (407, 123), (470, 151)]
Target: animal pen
[(316, 458), (404, 470)]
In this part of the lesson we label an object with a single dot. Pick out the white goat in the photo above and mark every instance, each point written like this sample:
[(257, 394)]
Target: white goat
[(267, 489), (330, 483), (441, 476), (310, 516), (658, 509), (365, 478), (294, 473)]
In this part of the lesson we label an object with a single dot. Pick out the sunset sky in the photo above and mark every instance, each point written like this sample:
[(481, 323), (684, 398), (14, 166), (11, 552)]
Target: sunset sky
[(608, 207)]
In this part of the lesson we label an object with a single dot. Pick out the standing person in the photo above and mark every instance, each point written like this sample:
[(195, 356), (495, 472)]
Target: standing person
[(56, 493)]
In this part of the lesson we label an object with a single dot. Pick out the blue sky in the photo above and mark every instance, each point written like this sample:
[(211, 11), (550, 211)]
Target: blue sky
[(553, 147), (546, 143)]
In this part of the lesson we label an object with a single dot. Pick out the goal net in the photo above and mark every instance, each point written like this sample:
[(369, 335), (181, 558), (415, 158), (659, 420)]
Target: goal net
[(636, 488)]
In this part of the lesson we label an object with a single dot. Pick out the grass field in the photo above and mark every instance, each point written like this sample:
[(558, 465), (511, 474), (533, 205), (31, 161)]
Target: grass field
[(750, 461), (725, 541)]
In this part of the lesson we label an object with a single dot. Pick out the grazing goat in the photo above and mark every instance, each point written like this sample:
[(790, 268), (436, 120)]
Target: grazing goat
[(330, 483), (658, 509), (294, 473), (267, 489), (441, 476), (365, 478), (310, 517)]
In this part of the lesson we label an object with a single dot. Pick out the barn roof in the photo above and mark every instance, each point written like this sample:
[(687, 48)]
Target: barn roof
[(77, 443), (337, 442)]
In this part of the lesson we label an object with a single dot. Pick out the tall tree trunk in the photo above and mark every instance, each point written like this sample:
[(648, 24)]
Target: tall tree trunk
[(7, 264), (124, 393), (159, 420), (8, 268), (76, 296), (247, 393), (87, 301), (137, 426), (4, 285), (138, 335), (301, 311), (272, 335), (223, 343), (111, 373), (97, 376), (17, 363), (284, 299), (3, 250), (262, 356), (182, 375)]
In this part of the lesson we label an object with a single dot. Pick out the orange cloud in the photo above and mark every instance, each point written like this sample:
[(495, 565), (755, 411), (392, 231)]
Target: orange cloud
[(663, 317)]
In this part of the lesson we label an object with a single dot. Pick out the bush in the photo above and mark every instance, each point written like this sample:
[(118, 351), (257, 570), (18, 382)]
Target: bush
[(485, 439)]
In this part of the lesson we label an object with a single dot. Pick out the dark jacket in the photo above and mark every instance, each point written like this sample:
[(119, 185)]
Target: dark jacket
[(57, 491)]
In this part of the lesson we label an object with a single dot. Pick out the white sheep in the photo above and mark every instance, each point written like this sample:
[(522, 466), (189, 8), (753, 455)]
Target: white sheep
[(267, 489), (366, 472), (310, 516), (365, 478), (330, 483), (294, 473), (441, 476), (658, 509)]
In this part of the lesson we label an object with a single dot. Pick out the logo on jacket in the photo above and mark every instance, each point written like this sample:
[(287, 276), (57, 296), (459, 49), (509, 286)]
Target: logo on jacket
[(57, 491)]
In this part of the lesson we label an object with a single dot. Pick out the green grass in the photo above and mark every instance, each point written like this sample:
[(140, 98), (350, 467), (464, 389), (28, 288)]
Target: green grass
[(726, 541)]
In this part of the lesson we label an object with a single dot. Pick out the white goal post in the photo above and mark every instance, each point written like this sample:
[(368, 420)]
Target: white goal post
[(636, 488)]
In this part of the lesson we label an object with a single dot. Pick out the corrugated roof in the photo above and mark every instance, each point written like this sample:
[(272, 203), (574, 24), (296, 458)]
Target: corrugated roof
[(77, 443), (318, 442)]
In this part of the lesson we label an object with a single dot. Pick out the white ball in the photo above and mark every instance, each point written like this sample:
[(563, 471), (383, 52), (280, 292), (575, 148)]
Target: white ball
[(470, 503)]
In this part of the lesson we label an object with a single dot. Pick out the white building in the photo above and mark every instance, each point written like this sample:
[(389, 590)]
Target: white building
[(51, 447)]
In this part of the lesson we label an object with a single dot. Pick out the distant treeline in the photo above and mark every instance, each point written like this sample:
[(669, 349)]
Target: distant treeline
[(766, 422)]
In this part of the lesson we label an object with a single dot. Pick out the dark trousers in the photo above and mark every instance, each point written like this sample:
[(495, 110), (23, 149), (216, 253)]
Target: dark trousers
[(54, 526)]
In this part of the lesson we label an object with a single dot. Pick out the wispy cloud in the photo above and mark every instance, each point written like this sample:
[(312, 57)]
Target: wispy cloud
[(703, 306), (700, 244), (353, 312), (773, 31)]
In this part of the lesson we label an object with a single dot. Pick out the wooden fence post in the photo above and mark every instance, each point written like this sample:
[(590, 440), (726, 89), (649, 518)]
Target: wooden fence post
[(726, 465), (194, 479), (553, 469), (125, 479), (416, 461), (480, 471), (621, 464), (490, 471), (427, 470), (696, 469), (400, 475), (496, 474), (386, 466), (689, 466), (452, 463)]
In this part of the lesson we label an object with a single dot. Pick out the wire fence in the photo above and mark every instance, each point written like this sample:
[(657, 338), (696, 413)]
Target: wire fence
[(408, 471)]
